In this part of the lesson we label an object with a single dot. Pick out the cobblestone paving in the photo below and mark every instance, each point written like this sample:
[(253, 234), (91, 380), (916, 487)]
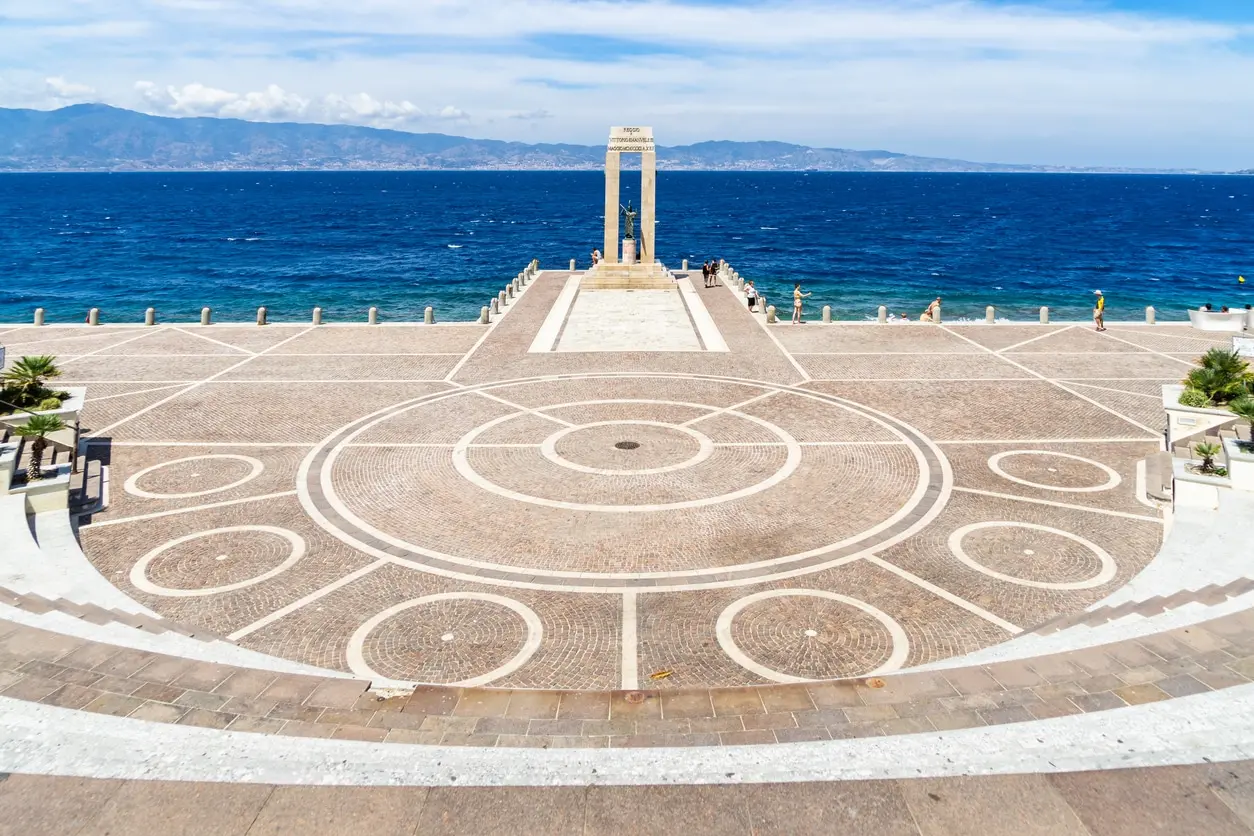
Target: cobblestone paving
[(434, 504)]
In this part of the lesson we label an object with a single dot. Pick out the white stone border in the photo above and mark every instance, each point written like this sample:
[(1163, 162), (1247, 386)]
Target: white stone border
[(1113, 478), (132, 484), (548, 449), (1108, 571), (461, 462), (535, 634), (722, 630), (139, 572)]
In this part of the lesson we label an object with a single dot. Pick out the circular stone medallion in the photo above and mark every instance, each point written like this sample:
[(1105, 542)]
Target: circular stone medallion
[(568, 484)]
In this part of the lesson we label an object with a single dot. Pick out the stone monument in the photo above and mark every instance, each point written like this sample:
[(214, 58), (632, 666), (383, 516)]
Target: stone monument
[(630, 141)]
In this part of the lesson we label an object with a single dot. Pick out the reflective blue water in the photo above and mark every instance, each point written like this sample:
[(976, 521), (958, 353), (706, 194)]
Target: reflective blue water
[(402, 241)]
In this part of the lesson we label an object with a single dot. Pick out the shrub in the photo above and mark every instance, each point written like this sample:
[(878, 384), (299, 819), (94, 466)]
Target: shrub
[(1217, 384), (49, 403), (1195, 398), (1207, 453), (1244, 408)]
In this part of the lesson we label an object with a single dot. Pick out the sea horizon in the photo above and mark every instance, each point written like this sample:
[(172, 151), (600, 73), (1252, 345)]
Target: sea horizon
[(402, 240)]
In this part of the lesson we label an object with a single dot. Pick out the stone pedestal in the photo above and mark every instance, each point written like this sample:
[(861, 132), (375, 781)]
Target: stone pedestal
[(629, 251)]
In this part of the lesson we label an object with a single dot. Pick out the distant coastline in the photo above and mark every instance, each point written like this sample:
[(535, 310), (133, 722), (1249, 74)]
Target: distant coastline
[(98, 138)]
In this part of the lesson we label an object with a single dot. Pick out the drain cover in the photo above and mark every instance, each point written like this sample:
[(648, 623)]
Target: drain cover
[(627, 445)]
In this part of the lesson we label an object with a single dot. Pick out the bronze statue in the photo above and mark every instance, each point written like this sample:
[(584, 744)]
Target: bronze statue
[(630, 215)]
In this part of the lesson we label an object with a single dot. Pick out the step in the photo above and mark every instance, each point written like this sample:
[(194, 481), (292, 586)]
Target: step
[(63, 571)]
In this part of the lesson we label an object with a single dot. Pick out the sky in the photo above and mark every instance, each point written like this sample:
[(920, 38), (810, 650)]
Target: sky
[(1151, 83)]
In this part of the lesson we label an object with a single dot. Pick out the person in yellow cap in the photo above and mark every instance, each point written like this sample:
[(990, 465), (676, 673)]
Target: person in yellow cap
[(1099, 312)]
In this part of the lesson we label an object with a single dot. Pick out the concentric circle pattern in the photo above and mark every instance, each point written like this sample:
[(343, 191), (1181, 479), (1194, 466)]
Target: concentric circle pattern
[(217, 561), (1033, 555), (450, 638), (1054, 471), (716, 489), (207, 474), (799, 635)]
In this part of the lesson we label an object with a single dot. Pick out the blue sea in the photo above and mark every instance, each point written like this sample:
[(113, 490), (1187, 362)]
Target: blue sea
[(405, 240)]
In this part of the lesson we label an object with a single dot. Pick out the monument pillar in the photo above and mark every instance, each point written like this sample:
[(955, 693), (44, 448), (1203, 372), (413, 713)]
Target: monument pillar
[(648, 206), (613, 171)]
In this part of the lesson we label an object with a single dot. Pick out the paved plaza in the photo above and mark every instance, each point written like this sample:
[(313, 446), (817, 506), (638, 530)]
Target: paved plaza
[(530, 504)]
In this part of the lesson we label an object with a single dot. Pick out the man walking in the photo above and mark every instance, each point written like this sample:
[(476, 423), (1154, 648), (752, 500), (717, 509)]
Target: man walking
[(1099, 312)]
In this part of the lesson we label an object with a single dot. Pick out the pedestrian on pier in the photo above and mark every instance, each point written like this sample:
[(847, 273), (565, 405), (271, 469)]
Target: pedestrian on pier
[(705, 273), (1099, 312), (797, 296), (751, 295)]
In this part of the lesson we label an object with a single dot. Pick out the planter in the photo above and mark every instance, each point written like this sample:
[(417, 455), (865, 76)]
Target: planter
[(70, 409), (51, 493), (1240, 458), (8, 465), (1193, 490), (1184, 420)]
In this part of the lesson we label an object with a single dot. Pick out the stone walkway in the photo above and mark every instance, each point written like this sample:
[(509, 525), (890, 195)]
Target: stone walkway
[(1213, 799), (445, 504)]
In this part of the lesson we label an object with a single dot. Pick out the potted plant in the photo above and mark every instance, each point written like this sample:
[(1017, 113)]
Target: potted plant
[(24, 385), (38, 428), (1224, 376)]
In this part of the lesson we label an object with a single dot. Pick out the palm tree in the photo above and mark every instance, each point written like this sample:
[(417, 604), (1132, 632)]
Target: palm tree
[(1227, 361), (28, 375), (1243, 407), (38, 428), (1218, 384), (1208, 453)]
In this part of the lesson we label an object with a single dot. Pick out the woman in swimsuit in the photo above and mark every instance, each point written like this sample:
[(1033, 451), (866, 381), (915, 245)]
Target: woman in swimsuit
[(797, 296)]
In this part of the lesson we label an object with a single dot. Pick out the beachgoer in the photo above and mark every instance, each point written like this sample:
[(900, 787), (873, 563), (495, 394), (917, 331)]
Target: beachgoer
[(797, 296), (1224, 309), (1099, 312), (1208, 307), (751, 294), (596, 257), (705, 273), (929, 315)]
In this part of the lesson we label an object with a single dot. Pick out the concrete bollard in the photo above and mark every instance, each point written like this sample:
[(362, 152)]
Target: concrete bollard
[(770, 314), (39, 316), (990, 314), (261, 315), (883, 317), (685, 265), (150, 316), (501, 300), (317, 316), (827, 313), (522, 278), (740, 283), (93, 316), (483, 315), (1151, 316), (572, 265), (509, 291), (517, 283), (936, 315), (495, 304), (428, 315), (1044, 315), (372, 316), (206, 316)]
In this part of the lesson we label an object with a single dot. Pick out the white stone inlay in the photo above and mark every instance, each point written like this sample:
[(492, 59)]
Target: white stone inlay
[(1112, 478), (722, 631), (535, 634), (1105, 575), (548, 449), (132, 484), (139, 572)]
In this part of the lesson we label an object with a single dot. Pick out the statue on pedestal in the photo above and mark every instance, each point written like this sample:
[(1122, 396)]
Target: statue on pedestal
[(630, 215)]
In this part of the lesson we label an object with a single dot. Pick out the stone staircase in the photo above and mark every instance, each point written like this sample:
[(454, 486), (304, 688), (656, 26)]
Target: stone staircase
[(1208, 596), (604, 276)]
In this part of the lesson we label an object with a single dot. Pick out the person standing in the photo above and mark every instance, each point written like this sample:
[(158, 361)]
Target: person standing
[(705, 273), (797, 296), (1099, 312), (751, 294)]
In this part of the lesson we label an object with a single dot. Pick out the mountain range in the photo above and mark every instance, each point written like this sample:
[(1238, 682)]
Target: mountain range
[(97, 137)]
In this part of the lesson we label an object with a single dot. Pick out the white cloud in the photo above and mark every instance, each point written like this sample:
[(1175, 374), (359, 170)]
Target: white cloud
[(1038, 80), (59, 88)]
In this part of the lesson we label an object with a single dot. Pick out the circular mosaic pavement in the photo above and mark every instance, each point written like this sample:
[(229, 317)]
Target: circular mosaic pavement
[(710, 482)]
